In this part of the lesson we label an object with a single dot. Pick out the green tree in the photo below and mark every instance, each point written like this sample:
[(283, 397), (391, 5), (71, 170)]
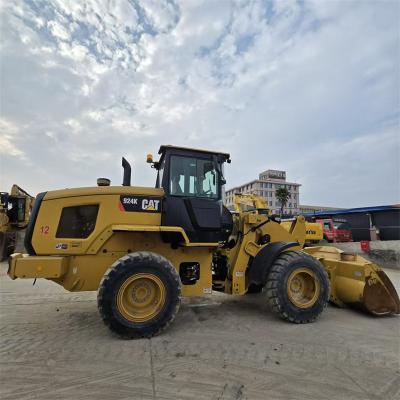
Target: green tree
[(282, 194)]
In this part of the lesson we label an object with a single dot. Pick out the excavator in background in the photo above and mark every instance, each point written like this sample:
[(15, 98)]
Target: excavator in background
[(15, 211), (314, 233), (246, 201), (143, 248)]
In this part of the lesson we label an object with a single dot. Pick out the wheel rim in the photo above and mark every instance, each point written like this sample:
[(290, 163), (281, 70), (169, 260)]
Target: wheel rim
[(303, 288), (141, 297)]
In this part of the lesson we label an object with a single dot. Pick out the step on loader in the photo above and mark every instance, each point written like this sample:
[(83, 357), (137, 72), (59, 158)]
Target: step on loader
[(143, 248)]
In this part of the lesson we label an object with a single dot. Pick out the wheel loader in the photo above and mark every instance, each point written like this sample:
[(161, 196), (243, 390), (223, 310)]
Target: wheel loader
[(143, 248), (15, 209)]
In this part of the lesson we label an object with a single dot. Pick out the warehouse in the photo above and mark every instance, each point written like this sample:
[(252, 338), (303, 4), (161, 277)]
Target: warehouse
[(368, 223)]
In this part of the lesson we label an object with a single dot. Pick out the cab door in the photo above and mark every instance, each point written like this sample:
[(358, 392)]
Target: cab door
[(193, 196)]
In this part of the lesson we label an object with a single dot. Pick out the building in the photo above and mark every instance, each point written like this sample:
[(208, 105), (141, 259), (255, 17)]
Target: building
[(368, 223), (265, 186), (304, 209)]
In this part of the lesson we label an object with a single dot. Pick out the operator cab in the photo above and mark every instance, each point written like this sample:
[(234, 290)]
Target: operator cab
[(14, 207), (193, 183)]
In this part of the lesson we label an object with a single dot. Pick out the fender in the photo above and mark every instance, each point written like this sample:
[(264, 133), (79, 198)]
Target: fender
[(258, 270), (31, 226)]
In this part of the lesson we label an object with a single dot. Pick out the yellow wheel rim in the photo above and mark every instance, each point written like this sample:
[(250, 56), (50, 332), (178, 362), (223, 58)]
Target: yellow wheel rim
[(303, 288), (141, 297)]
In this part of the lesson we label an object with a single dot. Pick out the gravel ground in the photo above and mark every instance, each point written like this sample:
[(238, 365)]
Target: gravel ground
[(54, 346)]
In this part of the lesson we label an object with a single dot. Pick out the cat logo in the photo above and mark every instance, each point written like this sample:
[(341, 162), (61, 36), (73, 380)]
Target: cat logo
[(150, 205), (140, 204)]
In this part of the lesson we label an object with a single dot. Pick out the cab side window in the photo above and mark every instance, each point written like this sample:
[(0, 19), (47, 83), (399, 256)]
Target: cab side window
[(193, 177), (327, 226), (77, 222)]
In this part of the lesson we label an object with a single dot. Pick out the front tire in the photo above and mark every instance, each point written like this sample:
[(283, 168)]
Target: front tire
[(139, 295), (297, 287)]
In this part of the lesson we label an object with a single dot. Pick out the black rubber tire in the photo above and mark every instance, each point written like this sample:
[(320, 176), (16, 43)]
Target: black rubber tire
[(11, 243), (276, 287), (122, 269), (3, 246)]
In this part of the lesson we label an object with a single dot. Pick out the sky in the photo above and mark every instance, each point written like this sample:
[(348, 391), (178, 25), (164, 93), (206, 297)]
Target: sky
[(310, 87)]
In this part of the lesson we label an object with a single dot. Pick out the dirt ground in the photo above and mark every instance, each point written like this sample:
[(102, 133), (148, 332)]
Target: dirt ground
[(54, 346)]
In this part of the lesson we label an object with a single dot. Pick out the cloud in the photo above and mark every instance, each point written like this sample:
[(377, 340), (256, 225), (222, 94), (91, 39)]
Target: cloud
[(58, 30), (7, 147), (366, 167), (8, 132), (305, 86)]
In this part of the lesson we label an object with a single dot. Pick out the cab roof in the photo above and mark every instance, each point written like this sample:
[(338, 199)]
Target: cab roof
[(164, 148)]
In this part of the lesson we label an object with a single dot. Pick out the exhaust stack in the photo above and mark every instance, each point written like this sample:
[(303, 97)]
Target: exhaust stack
[(127, 172)]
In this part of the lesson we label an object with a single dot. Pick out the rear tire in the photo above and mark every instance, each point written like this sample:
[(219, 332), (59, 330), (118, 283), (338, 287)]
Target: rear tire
[(7, 244), (3, 246), (297, 287), (11, 243), (139, 295)]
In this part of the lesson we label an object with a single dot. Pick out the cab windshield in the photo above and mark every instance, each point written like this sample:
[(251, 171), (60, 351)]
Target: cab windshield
[(341, 225)]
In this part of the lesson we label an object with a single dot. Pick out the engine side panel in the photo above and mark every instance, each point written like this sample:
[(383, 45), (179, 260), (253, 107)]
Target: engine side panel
[(116, 208)]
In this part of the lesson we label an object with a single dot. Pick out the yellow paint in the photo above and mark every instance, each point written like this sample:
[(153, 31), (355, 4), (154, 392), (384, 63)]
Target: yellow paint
[(141, 297), (250, 213), (37, 267), (314, 231), (347, 273), (303, 288)]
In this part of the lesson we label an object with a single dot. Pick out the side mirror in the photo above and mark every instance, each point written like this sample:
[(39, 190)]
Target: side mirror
[(222, 181)]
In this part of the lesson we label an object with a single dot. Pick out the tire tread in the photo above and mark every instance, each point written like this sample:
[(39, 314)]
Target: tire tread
[(116, 270), (276, 275)]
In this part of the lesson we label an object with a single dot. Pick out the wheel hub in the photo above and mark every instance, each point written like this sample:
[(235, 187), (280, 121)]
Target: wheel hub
[(141, 297), (141, 293), (303, 287)]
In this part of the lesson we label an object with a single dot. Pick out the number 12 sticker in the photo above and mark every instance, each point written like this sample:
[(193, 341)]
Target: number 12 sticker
[(44, 230)]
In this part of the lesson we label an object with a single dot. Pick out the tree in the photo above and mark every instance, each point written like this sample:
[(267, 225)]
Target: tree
[(282, 194)]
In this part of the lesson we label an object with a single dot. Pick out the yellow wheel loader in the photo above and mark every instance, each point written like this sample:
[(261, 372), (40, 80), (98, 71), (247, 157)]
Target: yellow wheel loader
[(15, 209), (143, 248)]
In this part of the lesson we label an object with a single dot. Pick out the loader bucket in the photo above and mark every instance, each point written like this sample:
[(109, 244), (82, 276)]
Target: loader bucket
[(380, 296), (356, 282)]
